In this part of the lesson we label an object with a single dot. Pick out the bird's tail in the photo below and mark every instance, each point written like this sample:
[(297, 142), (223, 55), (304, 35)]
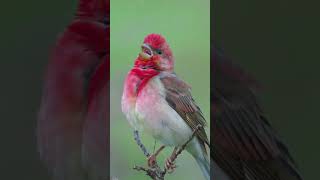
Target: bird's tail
[(204, 164), (201, 155)]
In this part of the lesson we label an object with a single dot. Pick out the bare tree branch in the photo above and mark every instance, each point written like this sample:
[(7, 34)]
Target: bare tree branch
[(155, 172)]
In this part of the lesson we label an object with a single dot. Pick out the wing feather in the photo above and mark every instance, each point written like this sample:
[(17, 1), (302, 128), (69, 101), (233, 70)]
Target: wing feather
[(179, 97), (245, 146)]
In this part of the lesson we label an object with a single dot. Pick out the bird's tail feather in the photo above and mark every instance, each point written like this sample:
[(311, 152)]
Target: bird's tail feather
[(204, 164)]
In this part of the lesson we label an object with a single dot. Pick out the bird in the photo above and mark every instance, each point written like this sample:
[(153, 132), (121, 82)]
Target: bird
[(73, 118), (244, 145), (155, 100)]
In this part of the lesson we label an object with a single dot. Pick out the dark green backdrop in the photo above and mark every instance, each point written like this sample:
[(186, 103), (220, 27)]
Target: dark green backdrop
[(277, 41), (28, 31)]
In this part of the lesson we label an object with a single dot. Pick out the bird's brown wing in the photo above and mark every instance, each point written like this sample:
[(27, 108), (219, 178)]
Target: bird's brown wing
[(245, 146), (179, 97)]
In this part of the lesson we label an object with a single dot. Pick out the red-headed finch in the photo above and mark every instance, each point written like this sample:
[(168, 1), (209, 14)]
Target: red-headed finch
[(155, 100)]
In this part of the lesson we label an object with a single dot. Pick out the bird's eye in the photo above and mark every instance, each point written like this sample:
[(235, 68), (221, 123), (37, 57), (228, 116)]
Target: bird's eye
[(158, 51)]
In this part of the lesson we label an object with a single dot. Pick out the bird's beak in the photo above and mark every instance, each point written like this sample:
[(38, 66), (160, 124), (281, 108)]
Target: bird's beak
[(146, 52)]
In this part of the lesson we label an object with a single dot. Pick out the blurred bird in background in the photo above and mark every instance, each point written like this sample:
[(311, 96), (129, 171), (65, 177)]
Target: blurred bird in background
[(155, 100), (245, 146), (73, 121)]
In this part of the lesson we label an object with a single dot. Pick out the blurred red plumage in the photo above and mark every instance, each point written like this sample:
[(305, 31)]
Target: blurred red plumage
[(73, 120)]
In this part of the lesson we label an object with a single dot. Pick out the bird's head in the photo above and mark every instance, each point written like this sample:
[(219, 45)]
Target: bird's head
[(156, 54)]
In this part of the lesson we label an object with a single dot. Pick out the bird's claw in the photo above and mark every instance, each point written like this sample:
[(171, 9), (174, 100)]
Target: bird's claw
[(152, 160), (170, 165)]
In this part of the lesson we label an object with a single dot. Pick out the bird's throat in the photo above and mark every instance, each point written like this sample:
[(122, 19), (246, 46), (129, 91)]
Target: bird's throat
[(142, 78)]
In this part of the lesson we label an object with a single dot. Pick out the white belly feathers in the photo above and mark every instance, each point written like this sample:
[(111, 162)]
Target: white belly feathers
[(156, 117)]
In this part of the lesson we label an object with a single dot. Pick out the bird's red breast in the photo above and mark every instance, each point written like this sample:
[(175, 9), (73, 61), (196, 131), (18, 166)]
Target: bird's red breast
[(144, 76)]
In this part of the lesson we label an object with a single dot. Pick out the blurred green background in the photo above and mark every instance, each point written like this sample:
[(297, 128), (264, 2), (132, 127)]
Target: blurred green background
[(186, 26)]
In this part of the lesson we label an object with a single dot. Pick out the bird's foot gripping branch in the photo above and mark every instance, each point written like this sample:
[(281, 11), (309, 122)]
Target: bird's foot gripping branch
[(154, 170)]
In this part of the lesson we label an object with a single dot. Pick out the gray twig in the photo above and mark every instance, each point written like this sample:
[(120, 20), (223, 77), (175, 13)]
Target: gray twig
[(155, 172)]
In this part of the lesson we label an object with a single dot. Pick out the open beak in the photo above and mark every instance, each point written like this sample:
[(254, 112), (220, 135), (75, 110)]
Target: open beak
[(146, 52)]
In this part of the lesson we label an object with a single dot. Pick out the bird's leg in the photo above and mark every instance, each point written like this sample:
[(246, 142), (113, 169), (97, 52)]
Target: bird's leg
[(142, 147), (153, 158), (170, 164)]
